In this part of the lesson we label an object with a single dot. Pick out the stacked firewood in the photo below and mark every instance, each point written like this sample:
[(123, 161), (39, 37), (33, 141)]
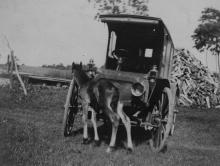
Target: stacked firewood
[(198, 86)]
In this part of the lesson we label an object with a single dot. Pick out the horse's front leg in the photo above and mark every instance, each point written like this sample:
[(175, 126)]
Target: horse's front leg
[(85, 123), (93, 119), (126, 120)]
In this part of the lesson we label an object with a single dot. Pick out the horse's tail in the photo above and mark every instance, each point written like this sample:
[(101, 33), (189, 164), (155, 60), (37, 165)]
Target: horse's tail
[(115, 99), (106, 91)]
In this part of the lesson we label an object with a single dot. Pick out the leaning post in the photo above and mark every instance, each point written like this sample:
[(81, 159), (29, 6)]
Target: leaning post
[(17, 73)]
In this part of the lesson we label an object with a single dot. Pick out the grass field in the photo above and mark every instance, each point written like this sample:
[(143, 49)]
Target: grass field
[(30, 134), (39, 71), (47, 72)]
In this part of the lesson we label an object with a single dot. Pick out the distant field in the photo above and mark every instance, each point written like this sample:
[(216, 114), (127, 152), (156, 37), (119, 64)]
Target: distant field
[(40, 71), (40, 75), (47, 72)]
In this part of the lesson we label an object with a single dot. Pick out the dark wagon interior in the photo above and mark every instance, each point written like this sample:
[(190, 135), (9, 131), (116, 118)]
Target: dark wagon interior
[(139, 41)]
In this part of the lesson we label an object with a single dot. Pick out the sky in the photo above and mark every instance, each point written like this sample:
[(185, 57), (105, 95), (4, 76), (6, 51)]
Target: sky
[(57, 31)]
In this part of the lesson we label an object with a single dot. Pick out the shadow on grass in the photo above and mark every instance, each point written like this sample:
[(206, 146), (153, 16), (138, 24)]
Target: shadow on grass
[(139, 135)]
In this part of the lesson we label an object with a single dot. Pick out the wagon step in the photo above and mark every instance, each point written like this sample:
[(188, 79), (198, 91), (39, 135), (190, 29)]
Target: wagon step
[(134, 122), (147, 124)]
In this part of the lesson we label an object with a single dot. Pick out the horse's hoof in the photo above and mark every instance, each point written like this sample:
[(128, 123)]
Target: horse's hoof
[(164, 149), (129, 150), (110, 149), (85, 141), (97, 143)]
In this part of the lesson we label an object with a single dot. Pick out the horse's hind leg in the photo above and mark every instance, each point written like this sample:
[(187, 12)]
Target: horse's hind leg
[(85, 123), (114, 119), (126, 120), (113, 136), (93, 119)]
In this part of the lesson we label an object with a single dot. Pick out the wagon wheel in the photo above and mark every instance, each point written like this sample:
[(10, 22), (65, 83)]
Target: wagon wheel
[(162, 117), (71, 108)]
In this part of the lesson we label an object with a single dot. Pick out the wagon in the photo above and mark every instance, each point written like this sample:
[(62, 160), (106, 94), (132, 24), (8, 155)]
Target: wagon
[(138, 61)]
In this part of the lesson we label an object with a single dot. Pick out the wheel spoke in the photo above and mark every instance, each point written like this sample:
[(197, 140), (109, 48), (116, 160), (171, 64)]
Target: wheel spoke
[(161, 103)]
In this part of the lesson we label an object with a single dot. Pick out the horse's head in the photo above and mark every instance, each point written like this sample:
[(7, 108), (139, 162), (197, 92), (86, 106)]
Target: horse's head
[(81, 76)]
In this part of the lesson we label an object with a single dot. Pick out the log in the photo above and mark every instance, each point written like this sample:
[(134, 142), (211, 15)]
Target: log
[(208, 102), (197, 84)]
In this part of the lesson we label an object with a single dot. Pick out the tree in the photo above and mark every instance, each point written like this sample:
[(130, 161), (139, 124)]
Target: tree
[(137, 7), (207, 35)]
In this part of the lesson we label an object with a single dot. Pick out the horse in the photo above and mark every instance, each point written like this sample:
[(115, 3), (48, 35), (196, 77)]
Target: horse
[(98, 95)]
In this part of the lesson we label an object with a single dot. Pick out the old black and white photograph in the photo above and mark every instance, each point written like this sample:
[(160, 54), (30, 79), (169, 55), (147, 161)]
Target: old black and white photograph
[(109, 83)]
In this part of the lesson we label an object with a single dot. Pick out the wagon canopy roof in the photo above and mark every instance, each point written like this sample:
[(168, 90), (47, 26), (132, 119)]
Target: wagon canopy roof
[(125, 18), (134, 19)]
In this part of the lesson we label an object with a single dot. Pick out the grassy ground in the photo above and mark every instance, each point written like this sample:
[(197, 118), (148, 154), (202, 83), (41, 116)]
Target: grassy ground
[(30, 134)]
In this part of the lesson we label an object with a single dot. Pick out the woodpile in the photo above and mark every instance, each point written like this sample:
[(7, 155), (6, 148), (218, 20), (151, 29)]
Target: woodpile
[(198, 86)]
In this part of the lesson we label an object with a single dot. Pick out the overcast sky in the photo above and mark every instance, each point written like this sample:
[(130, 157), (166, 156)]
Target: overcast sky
[(54, 31)]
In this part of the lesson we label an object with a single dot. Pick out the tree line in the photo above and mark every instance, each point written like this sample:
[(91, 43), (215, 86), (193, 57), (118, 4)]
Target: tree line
[(60, 66), (89, 66), (207, 35)]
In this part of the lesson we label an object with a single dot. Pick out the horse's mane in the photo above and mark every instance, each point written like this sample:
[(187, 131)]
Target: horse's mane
[(81, 77)]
